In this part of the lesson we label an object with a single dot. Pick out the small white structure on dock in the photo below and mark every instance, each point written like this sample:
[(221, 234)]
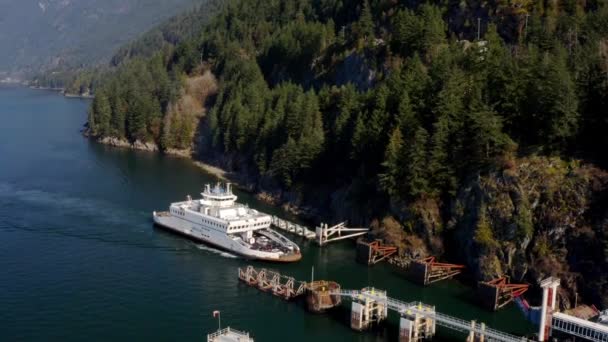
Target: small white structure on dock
[(327, 234), (229, 335)]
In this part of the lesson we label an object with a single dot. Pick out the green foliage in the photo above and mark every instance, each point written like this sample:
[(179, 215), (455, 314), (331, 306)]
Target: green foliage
[(417, 165), (100, 115), (523, 220), (365, 26), (132, 102), (393, 164), (437, 112), (418, 32), (484, 235), (298, 44)]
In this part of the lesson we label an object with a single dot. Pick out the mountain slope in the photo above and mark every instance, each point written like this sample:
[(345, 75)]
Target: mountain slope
[(476, 150), (51, 33)]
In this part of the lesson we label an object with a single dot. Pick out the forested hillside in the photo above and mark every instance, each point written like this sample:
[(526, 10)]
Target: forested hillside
[(42, 35), (164, 37), (480, 148)]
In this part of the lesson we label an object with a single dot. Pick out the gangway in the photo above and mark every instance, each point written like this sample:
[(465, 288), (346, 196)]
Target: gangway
[(326, 234), (419, 309), (293, 228)]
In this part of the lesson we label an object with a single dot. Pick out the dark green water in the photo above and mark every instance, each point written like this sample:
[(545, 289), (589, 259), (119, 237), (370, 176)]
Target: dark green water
[(80, 259)]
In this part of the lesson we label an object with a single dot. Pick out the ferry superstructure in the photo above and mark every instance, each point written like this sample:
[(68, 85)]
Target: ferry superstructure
[(217, 219)]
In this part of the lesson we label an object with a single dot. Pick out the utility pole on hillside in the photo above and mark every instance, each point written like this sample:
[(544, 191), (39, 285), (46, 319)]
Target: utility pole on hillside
[(478, 28)]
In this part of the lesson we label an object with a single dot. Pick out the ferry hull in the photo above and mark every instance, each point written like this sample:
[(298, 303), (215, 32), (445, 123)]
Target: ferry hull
[(199, 234)]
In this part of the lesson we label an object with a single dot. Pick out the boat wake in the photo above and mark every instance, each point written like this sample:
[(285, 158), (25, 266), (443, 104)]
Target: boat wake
[(217, 251)]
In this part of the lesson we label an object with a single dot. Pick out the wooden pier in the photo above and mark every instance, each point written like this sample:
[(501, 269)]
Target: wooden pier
[(427, 271), (270, 281), (497, 293), (293, 228), (373, 252)]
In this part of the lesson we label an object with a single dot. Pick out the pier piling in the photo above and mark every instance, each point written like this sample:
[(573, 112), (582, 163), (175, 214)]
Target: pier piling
[(373, 252), (366, 310), (414, 327), (497, 293)]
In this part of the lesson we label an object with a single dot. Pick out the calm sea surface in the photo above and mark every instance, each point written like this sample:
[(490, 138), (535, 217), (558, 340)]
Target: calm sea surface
[(81, 260)]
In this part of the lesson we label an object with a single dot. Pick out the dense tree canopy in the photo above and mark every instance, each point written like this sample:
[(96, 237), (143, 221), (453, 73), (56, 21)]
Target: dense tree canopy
[(439, 105)]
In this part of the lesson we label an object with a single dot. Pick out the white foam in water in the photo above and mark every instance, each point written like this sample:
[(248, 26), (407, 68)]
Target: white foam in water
[(216, 251)]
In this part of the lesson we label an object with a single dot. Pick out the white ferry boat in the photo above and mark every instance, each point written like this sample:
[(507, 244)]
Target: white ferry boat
[(218, 220)]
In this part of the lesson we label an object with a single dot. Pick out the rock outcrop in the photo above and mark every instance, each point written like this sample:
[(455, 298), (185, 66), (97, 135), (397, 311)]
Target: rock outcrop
[(121, 142), (539, 217)]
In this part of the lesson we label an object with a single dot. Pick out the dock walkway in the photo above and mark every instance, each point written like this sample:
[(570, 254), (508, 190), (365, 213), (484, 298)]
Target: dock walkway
[(427, 311), (293, 228)]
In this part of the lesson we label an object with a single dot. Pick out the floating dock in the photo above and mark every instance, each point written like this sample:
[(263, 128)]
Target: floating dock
[(427, 271), (270, 281), (371, 253), (497, 293)]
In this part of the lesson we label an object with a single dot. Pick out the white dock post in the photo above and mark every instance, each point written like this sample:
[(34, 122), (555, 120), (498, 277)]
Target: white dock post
[(406, 330)]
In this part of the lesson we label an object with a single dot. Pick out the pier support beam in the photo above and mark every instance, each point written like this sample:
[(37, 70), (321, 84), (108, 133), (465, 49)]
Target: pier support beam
[(549, 287), (415, 327), (407, 331), (365, 311), (327, 234), (476, 337)]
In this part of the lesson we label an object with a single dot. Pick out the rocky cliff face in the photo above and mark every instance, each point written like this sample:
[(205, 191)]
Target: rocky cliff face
[(535, 218)]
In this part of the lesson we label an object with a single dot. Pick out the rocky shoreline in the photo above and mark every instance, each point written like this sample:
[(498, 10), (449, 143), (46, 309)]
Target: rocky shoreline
[(493, 239), (136, 145), (267, 197), (152, 147)]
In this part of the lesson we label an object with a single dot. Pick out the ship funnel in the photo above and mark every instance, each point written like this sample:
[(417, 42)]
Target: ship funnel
[(228, 188)]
